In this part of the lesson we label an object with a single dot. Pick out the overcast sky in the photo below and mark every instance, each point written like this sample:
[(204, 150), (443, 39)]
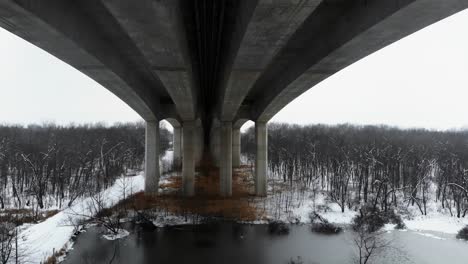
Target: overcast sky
[(420, 81)]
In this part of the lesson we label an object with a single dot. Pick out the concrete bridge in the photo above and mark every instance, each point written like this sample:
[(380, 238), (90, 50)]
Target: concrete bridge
[(207, 66)]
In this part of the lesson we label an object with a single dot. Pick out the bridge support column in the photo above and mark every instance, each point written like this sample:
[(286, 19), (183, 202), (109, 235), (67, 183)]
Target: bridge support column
[(261, 140), (198, 143), (188, 158), (177, 146), (236, 147), (215, 144), (225, 169), (152, 157)]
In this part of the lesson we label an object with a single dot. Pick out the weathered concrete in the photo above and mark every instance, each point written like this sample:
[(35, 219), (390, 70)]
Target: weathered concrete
[(348, 31), (261, 158), (198, 143), (177, 146), (267, 30), (215, 144), (225, 182), (188, 159), (215, 61), (152, 157), (164, 58), (236, 147)]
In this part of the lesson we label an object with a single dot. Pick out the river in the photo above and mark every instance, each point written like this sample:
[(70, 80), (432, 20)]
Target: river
[(228, 243)]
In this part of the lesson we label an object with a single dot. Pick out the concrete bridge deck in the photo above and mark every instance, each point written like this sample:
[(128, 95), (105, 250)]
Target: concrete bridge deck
[(207, 66)]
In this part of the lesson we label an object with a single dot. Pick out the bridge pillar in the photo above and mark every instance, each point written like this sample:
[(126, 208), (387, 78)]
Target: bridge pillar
[(236, 147), (152, 157), (177, 146), (188, 158), (215, 144), (226, 159), (261, 140), (199, 144)]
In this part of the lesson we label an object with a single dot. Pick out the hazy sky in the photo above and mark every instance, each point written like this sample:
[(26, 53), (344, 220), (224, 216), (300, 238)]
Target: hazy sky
[(420, 81)]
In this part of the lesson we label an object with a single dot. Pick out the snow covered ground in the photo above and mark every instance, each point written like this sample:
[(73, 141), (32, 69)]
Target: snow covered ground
[(41, 240), (333, 213), (436, 220)]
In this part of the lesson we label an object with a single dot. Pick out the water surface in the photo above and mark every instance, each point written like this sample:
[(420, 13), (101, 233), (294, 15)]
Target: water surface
[(253, 244)]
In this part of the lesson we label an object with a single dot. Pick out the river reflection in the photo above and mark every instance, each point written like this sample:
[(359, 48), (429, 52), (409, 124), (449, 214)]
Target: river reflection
[(252, 244)]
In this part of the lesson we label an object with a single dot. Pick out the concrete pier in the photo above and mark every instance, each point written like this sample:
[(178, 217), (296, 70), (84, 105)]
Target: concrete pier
[(195, 63), (261, 140), (177, 146), (215, 144), (152, 157), (188, 158), (225, 181), (236, 147), (199, 144)]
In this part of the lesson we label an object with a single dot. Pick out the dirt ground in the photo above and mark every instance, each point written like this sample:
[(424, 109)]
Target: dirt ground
[(207, 202)]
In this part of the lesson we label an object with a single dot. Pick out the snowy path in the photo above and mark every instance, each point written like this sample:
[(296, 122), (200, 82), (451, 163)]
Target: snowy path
[(39, 241)]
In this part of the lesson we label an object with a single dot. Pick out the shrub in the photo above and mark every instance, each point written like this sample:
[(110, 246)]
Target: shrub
[(326, 228), (391, 217), (372, 219), (369, 219), (321, 225), (400, 226), (297, 260), (323, 208), (278, 228), (463, 233)]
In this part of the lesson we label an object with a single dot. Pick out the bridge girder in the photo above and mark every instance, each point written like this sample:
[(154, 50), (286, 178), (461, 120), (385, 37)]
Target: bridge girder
[(209, 65)]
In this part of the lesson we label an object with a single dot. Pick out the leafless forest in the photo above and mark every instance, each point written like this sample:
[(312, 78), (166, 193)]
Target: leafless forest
[(44, 166), (371, 164)]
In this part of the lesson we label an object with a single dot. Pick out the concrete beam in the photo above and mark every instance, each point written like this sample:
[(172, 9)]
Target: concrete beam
[(268, 30), (159, 34), (236, 147), (152, 157), (261, 158), (225, 169), (188, 158), (84, 35), (348, 31)]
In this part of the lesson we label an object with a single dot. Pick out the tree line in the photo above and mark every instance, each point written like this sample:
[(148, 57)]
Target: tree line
[(48, 165), (371, 164)]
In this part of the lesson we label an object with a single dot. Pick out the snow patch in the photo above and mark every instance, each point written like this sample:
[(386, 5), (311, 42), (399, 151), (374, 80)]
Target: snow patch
[(430, 235), (41, 240), (436, 222), (333, 213), (121, 233)]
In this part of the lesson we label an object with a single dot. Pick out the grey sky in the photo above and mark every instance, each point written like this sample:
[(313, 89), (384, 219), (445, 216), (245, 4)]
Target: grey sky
[(420, 81)]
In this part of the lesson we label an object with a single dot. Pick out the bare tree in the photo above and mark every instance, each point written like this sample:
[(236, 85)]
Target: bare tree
[(369, 245)]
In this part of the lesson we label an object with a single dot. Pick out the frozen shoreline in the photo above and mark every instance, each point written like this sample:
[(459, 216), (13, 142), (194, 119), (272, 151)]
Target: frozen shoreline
[(43, 239), (437, 220)]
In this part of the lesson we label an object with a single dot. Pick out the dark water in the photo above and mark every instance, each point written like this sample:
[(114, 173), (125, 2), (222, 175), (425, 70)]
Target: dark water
[(252, 244)]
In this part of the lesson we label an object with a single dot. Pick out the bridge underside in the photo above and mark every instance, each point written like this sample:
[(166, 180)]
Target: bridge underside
[(207, 66)]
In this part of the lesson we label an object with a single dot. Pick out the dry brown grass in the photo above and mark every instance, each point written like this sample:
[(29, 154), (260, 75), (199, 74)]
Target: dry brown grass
[(207, 201), (21, 216), (55, 257)]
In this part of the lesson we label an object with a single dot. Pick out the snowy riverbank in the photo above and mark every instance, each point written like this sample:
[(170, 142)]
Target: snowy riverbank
[(436, 220), (39, 241)]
